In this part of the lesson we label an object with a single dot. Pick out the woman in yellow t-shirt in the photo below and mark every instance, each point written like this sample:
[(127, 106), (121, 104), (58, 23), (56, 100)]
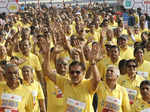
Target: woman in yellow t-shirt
[(35, 88)]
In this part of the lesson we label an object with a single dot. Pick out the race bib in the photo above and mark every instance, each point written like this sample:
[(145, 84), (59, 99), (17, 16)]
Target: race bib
[(74, 106), (59, 93), (111, 104), (143, 74), (10, 102), (146, 110), (132, 94), (34, 95)]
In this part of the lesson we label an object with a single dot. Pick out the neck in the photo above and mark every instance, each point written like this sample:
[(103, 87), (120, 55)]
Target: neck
[(139, 61), (14, 86), (146, 99), (112, 86), (29, 81), (26, 53), (124, 48), (132, 77), (114, 60), (142, 27)]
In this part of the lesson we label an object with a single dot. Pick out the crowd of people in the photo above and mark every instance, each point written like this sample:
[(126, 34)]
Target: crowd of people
[(75, 59)]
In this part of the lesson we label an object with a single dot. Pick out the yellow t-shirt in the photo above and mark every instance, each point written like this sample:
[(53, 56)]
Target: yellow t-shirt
[(37, 93), (127, 54), (144, 70), (113, 25), (18, 54), (140, 106), (55, 97), (76, 97), (18, 99), (144, 30), (124, 31), (137, 39), (95, 36), (131, 85), (147, 55), (104, 63), (116, 100), (33, 61)]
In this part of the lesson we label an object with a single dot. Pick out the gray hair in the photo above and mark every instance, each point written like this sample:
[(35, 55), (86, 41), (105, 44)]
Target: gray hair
[(27, 66), (117, 72)]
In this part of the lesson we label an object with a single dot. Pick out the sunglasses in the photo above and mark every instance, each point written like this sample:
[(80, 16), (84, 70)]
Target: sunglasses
[(73, 72), (130, 66)]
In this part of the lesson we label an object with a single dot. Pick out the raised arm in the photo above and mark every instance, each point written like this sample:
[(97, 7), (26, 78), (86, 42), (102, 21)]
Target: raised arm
[(94, 69), (46, 65)]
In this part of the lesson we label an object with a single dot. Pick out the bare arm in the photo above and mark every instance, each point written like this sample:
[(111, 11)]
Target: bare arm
[(42, 105), (46, 66), (94, 70)]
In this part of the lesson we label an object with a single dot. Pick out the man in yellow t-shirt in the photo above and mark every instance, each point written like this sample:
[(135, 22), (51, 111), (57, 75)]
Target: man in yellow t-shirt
[(143, 104), (126, 52), (55, 97), (113, 59), (75, 85), (142, 68), (13, 96), (30, 59), (111, 96), (131, 81)]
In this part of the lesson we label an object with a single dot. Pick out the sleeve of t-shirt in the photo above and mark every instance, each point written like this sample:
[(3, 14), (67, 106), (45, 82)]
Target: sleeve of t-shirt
[(60, 82), (37, 64), (40, 92)]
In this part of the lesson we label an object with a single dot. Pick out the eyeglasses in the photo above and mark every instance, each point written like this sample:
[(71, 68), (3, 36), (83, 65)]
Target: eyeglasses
[(130, 66), (73, 72), (15, 72)]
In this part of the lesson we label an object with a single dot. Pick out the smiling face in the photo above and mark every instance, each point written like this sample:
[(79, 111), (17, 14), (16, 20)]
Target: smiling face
[(114, 53), (27, 73), (76, 74), (122, 43), (25, 47), (131, 68), (12, 75)]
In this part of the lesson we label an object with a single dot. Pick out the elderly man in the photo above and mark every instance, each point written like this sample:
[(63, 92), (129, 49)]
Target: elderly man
[(111, 96)]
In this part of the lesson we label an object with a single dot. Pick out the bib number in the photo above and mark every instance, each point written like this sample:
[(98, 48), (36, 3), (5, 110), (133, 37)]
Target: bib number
[(74, 106), (111, 104), (146, 110), (132, 94), (10, 102), (143, 74)]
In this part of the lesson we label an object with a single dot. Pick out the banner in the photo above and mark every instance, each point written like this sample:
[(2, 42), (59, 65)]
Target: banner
[(9, 6), (143, 4)]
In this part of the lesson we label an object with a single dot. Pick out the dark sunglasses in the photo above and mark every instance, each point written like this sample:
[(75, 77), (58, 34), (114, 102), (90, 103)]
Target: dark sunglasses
[(129, 66), (73, 72)]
